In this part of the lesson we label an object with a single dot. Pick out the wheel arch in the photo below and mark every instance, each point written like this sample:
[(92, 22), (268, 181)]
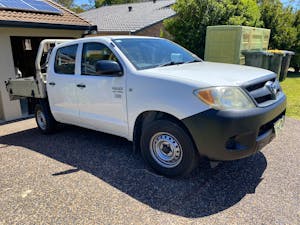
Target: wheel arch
[(43, 106), (148, 116)]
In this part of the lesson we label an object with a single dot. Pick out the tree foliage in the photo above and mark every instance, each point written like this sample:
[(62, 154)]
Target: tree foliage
[(296, 59), (297, 25), (65, 3), (91, 4), (244, 12), (281, 21), (76, 8)]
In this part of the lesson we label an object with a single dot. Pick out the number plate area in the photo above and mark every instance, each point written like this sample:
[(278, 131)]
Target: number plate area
[(278, 125)]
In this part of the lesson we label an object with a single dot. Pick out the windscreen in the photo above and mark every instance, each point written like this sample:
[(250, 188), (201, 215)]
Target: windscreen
[(145, 53)]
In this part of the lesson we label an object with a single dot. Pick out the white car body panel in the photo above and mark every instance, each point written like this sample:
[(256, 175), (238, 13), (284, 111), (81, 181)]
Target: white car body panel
[(63, 97), (102, 108), (209, 74), (102, 104)]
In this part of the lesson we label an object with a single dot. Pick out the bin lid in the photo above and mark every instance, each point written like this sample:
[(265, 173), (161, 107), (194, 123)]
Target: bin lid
[(288, 52), (281, 52), (257, 52)]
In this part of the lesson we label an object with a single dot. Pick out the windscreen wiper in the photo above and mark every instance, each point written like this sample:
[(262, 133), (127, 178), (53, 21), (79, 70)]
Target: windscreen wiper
[(194, 60), (170, 64)]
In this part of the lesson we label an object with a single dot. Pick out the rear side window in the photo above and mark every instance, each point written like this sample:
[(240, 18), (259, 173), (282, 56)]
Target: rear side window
[(65, 60)]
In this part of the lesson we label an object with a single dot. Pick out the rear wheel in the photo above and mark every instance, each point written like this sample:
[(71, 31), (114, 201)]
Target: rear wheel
[(168, 149), (44, 119)]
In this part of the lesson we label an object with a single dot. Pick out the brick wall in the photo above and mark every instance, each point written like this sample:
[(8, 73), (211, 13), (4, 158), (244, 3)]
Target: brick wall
[(153, 30)]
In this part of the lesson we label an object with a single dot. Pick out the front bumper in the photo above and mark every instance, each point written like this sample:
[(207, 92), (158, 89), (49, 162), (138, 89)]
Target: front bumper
[(230, 135)]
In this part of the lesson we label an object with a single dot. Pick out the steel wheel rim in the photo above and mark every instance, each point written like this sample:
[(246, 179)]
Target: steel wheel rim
[(166, 150), (41, 119)]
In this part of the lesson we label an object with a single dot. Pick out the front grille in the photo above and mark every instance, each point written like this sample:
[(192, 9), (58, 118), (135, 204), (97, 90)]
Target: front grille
[(264, 93), (258, 85), (263, 99)]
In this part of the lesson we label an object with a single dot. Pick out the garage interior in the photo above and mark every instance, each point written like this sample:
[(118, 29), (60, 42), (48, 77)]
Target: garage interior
[(26, 48)]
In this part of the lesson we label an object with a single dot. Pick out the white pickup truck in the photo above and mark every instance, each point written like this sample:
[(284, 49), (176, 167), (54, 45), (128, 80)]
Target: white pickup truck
[(171, 104)]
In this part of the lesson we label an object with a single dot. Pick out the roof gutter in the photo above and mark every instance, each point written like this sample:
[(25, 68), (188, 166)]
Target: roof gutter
[(5, 23)]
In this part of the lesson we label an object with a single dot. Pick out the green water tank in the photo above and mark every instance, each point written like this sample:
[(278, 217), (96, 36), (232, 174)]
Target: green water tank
[(225, 43)]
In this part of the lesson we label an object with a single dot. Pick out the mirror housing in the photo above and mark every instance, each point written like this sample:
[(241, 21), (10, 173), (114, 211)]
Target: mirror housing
[(108, 67)]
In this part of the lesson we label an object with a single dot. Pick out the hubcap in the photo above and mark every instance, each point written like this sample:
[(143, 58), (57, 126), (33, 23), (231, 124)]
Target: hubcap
[(41, 120), (165, 149)]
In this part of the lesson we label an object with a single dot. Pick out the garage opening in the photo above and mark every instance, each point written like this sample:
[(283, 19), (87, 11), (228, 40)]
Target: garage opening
[(24, 50)]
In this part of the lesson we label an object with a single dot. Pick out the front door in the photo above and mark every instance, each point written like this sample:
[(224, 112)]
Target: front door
[(101, 97)]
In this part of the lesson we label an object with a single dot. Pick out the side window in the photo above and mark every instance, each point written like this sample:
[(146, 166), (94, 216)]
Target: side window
[(65, 60), (92, 53)]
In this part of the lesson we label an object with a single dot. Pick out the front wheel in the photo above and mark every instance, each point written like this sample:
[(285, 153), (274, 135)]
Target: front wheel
[(44, 119), (168, 149)]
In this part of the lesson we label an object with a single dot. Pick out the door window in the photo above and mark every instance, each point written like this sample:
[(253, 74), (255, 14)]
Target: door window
[(93, 53), (65, 60)]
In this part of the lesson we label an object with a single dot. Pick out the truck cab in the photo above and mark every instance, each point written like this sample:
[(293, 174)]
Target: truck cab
[(171, 104), (84, 94)]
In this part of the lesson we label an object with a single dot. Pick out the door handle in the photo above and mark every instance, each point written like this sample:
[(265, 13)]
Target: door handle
[(81, 85), (52, 83)]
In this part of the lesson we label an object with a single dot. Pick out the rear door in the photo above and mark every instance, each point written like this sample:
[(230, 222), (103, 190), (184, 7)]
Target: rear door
[(61, 85), (101, 97)]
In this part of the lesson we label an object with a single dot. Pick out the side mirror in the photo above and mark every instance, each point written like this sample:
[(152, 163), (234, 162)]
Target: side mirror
[(108, 67)]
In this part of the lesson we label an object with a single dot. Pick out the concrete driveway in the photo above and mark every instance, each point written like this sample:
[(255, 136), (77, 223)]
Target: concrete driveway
[(79, 176)]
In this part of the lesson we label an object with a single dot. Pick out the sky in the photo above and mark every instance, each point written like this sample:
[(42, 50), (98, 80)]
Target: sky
[(79, 2)]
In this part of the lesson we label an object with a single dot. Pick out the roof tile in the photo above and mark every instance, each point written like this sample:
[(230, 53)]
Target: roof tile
[(119, 18)]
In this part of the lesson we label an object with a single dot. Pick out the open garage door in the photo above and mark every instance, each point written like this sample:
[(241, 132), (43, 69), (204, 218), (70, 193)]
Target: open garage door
[(24, 51)]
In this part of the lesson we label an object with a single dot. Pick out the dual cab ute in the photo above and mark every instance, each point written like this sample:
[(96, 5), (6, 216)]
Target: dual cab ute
[(171, 104)]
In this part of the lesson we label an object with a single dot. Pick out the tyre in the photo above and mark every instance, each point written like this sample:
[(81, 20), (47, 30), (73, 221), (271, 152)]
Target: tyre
[(44, 119), (168, 149)]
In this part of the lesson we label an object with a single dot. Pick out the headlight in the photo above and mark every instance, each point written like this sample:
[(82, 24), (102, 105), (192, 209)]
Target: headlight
[(225, 98)]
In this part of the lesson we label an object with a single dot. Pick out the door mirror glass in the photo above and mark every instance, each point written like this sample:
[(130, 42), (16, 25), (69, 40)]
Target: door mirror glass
[(108, 67)]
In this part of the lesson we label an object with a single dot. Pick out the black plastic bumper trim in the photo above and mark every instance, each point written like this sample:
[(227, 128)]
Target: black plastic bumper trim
[(212, 129)]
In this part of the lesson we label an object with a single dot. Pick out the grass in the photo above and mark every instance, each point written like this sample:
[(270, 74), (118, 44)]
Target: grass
[(291, 87)]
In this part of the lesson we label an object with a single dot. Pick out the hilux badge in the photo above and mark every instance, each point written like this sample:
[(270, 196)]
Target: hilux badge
[(272, 87)]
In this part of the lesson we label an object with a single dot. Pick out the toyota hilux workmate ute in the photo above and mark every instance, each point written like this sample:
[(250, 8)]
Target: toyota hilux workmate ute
[(171, 104)]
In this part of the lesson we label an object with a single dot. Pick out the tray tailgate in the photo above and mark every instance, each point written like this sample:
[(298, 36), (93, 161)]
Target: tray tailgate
[(23, 87)]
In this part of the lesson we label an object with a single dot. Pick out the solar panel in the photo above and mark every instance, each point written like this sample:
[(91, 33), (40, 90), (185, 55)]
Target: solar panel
[(40, 5), (29, 5), (15, 4)]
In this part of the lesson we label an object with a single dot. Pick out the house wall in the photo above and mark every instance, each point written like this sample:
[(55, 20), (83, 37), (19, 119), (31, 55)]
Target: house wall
[(11, 109), (153, 31)]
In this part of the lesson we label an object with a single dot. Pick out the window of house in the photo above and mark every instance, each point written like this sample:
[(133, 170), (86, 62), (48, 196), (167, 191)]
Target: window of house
[(65, 60), (91, 54)]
